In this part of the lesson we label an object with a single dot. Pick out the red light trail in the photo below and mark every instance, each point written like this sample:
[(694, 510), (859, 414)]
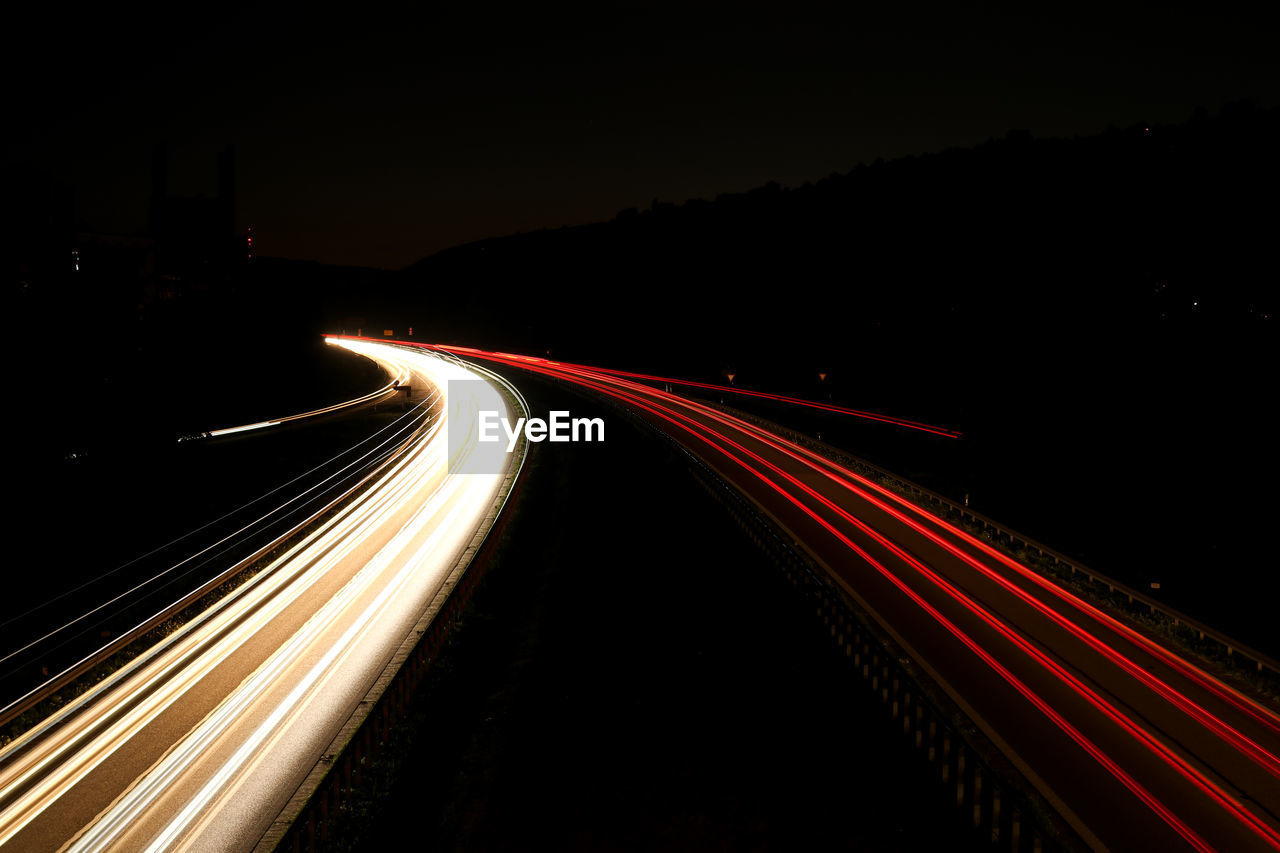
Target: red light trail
[(1195, 747), (524, 360)]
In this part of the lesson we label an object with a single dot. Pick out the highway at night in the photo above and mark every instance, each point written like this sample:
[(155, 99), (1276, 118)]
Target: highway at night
[(199, 743), (1134, 745), (773, 427)]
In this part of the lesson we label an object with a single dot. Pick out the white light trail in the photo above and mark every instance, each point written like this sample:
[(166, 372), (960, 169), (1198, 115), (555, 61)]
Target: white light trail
[(349, 592)]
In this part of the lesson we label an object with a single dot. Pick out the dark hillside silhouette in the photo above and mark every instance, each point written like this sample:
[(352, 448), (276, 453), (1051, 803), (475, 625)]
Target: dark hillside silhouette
[(1082, 247), (1097, 314)]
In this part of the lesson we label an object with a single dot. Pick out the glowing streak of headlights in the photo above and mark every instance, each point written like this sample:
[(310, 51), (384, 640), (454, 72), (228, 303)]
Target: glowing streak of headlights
[(415, 520)]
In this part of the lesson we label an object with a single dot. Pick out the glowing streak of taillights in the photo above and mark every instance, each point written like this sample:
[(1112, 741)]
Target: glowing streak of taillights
[(1258, 826), (1229, 734), (852, 481), (594, 380), (856, 484), (604, 372), (1176, 823), (1070, 730)]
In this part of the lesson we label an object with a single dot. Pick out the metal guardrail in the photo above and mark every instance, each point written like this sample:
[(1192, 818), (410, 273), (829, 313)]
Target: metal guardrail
[(305, 823), (989, 795), (1238, 652)]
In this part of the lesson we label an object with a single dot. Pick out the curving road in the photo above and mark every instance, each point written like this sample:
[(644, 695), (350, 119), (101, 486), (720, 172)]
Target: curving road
[(1134, 744), (199, 743)]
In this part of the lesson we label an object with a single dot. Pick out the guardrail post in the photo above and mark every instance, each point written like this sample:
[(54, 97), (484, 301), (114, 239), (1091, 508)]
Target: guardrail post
[(984, 806), (999, 817), (310, 842)]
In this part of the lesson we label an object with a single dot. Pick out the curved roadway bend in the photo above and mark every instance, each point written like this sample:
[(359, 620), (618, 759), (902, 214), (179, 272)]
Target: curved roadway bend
[(1137, 747), (200, 742)]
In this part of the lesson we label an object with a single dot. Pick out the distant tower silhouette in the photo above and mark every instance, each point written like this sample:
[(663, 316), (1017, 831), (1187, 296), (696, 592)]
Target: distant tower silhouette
[(159, 186), (227, 187), (195, 238)]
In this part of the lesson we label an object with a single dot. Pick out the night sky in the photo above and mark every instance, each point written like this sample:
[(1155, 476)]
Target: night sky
[(379, 136)]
